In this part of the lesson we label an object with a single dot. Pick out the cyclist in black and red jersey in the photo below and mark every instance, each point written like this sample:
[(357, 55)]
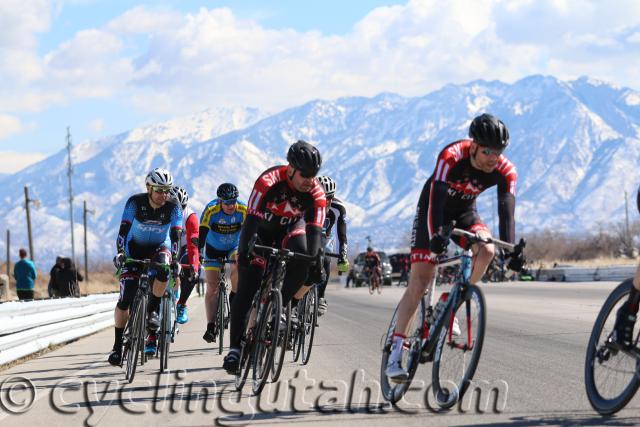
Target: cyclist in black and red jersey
[(626, 315), (286, 209), (463, 170), (372, 263)]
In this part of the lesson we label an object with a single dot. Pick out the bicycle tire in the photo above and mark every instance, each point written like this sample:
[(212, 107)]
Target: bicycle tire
[(297, 331), (445, 397), (246, 347), (379, 285), (393, 392), (371, 289), (165, 334), (309, 324), (220, 315), (281, 346), (602, 404), (136, 346), (267, 330)]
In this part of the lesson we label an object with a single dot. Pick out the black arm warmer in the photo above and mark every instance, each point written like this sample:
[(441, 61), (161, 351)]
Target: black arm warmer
[(249, 228), (125, 226), (438, 197), (506, 214)]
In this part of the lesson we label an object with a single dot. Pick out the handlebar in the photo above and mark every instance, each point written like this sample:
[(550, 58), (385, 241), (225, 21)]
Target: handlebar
[(476, 238)]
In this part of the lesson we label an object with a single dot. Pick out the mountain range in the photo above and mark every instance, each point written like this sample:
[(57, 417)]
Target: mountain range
[(575, 144)]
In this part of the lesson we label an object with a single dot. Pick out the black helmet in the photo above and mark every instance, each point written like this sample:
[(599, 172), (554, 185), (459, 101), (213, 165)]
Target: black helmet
[(305, 157), (227, 191), (489, 131), (369, 249)]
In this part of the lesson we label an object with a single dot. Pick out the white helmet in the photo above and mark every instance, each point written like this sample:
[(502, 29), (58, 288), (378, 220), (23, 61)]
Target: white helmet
[(328, 184), (180, 195), (160, 177)]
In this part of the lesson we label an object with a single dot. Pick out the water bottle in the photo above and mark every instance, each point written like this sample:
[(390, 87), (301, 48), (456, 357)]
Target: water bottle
[(440, 305), (465, 265)]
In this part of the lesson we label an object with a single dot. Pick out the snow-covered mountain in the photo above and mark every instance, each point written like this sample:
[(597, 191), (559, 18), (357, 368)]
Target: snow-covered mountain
[(575, 145)]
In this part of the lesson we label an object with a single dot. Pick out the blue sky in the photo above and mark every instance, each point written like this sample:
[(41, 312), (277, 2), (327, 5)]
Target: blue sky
[(103, 67)]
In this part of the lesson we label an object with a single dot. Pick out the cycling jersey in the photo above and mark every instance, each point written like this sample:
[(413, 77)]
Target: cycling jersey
[(371, 260), (189, 252), (144, 229), (451, 192), (219, 230), (337, 214), (274, 205)]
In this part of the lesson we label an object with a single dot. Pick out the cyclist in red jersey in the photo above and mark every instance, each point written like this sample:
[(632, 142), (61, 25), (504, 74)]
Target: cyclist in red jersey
[(626, 315), (189, 253), (286, 209), (372, 263), (463, 170)]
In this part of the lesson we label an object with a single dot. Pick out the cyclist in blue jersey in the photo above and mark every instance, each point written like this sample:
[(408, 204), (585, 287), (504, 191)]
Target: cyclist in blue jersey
[(220, 225), (150, 229)]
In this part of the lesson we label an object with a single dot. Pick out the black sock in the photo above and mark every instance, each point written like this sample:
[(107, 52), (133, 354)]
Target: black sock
[(231, 295), (118, 342), (294, 303), (154, 303), (210, 326), (634, 299)]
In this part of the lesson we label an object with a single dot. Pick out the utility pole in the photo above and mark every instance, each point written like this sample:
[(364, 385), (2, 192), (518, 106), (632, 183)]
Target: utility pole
[(85, 211), (69, 173), (28, 201), (8, 257)]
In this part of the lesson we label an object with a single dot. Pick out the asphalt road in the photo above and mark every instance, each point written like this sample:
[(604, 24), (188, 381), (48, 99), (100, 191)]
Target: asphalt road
[(533, 352)]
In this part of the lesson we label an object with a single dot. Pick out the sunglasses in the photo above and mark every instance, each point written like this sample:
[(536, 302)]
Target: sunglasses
[(159, 189), (229, 202), (490, 151)]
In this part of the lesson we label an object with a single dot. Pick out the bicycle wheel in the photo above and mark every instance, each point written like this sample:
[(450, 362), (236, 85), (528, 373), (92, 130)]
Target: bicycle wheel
[(165, 333), (611, 376), (392, 391), (136, 339), (247, 344), (220, 316), (297, 331), (281, 346), (456, 356), (371, 284), (379, 284), (266, 337), (308, 324)]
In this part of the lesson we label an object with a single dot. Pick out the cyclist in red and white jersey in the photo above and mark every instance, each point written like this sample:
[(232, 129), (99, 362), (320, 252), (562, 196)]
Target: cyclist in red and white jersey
[(463, 170), (286, 209), (189, 253)]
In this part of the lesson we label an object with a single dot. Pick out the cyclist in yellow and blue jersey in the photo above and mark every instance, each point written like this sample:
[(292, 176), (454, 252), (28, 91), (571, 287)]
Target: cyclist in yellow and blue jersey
[(220, 226)]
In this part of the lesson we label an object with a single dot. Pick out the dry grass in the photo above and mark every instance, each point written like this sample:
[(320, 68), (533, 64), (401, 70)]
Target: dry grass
[(101, 282), (596, 262)]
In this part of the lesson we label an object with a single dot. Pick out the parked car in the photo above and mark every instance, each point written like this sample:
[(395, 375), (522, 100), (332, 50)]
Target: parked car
[(358, 265)]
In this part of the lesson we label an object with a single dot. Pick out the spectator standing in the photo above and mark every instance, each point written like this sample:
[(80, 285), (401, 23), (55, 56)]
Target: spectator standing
[(53, 287), (67, 279), (24, 271)]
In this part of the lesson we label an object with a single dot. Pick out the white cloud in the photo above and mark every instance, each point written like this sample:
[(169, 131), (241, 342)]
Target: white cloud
[(96, 126), (165, 61), (12, 161), (9, 125)]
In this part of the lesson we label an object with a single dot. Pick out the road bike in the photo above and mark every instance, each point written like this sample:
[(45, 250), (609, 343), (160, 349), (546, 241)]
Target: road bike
[(611, 370), (430, 336), (261, 333)]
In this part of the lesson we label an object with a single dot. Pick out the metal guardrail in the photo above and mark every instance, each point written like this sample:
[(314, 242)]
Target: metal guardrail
[(31, 326), (586, 274)]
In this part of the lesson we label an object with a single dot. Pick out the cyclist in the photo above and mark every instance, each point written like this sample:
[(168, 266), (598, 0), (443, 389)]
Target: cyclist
[(150, 229), (189, 252), (336, 214), (220, 225), (463, 170), (626, 315), (286, 209), (372, 264)]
